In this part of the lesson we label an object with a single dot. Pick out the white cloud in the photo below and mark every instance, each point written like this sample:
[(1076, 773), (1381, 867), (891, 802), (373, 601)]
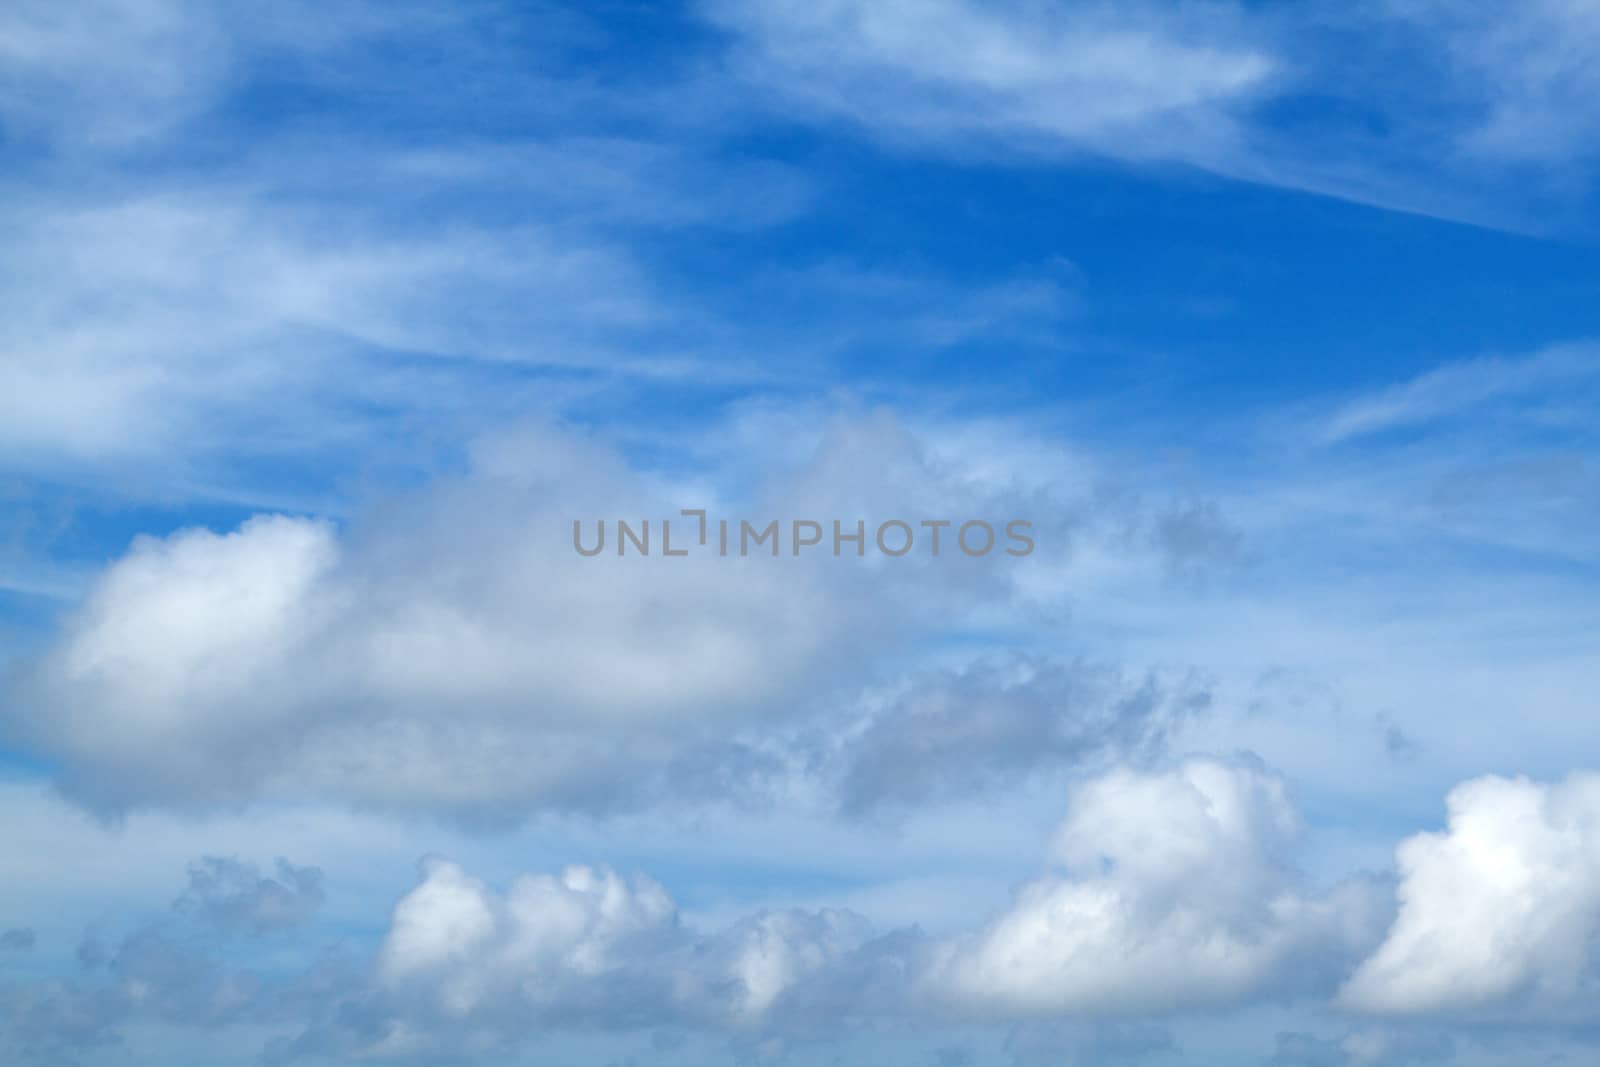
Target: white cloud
[(1499, 912), (1529, 69), (109, 72), (194, 621), (1461, 389), (1119, 81), (1177, 893), (450, 651), (467, 943), (587, 946), (105, 77), (288, 296), (1410, 105), (163, 333)]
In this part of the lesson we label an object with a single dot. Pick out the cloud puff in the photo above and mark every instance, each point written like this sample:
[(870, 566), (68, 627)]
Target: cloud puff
[(1176, 892), (586, 946), (548, 934), (1499, 912), (183, 652)]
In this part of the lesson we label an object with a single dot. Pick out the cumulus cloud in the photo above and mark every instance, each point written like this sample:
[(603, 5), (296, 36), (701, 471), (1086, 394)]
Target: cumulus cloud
[(463, 963), (191, 622), (1499, 912), (449, 651), (545, 938), (1176, 891)]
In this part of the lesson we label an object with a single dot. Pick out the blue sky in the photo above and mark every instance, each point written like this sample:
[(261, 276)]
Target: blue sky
[(323, 323)]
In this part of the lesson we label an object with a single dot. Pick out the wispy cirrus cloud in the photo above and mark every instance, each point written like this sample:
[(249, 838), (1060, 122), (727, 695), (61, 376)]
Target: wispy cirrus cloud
[(1467, 389), (1304, 100), (1112, 81)]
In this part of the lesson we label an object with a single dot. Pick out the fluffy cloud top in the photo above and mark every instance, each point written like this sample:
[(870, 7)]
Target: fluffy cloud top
[(466, 941), (1499, 912), (588, 946), (1176, 892)]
